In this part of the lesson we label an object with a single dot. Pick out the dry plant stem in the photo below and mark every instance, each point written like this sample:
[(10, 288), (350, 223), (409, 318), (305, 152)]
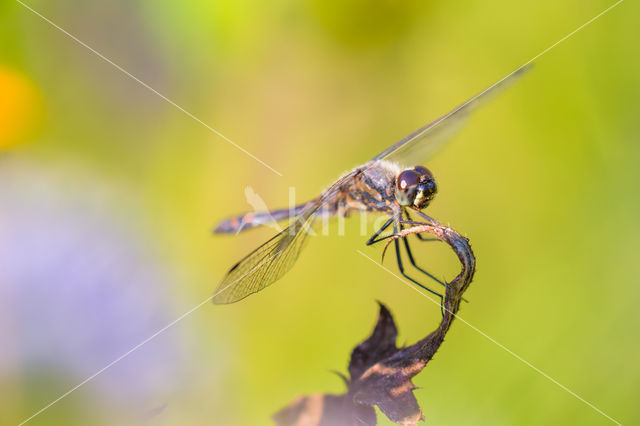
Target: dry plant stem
[(423, 351), (380, 373), (462, 249)]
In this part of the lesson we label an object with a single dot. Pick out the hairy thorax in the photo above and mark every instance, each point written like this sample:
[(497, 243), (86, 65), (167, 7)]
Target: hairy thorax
[(372, 188)]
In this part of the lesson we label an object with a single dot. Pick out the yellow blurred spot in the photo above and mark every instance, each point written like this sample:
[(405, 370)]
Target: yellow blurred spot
[(20, 108)]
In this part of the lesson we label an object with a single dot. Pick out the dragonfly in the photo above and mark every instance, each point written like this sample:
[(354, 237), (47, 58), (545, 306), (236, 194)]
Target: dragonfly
[(392, 183)]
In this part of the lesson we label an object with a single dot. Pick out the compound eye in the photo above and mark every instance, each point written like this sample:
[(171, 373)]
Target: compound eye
[(423, 172), (407, 179)]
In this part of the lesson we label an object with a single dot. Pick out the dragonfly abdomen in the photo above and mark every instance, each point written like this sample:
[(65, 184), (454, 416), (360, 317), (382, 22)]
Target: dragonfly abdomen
[(234, 225)]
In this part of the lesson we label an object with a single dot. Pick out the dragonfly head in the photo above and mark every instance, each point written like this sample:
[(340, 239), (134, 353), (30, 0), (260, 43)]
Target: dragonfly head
[(415, 187)]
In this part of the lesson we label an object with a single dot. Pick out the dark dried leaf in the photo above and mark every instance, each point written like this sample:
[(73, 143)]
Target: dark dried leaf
[(380, 345)]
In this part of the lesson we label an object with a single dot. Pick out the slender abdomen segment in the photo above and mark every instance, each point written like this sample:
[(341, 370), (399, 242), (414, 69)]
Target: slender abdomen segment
[(236, 224)]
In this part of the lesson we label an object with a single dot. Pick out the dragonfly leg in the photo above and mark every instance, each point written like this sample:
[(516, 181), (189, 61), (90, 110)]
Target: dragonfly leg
[(374, 238), (419, 236), (415, 265), (429, 219), (404, 274)]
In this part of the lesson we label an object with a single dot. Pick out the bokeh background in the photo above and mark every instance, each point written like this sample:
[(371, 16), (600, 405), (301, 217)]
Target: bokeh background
[(108, 194)]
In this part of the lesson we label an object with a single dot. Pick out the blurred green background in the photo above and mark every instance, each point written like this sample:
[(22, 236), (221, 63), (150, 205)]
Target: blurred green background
[(108, 195)]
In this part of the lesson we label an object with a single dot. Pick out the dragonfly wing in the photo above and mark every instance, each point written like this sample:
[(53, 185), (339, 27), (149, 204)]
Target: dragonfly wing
[(269, 262), (264, 265), (424, 142)]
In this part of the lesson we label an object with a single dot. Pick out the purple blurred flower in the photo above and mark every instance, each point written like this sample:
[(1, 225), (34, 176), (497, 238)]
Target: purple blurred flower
[(79, 286)]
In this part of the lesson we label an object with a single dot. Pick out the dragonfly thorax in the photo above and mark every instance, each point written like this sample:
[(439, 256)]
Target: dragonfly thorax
[(415, 187)]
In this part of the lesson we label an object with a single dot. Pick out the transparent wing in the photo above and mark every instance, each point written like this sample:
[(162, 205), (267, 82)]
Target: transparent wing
[(273, 259), (263, 266), (424, 142)]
